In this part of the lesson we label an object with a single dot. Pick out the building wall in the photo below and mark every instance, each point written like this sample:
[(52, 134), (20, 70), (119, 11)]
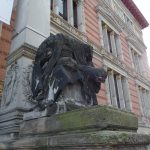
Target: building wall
[(5, 42), (134, 97), (93, 36), (126, 55), (91, 22)]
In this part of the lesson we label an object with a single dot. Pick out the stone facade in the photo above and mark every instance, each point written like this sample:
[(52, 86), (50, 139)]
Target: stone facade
[(100, 25)]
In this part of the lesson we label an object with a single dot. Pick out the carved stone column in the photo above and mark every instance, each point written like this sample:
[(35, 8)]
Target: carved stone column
[(141, 65), (101, 31), (118, 47), (112, 88), (126, 93), (131, 55), (80, 16), (146, 106), (120, 92), (148, 102), (113, 45), (105, 38), (142, 100), (137, 63), (70, 12), (56, 6)]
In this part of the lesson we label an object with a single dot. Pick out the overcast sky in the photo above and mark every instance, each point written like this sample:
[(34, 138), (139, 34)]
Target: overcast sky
[(144, 6)]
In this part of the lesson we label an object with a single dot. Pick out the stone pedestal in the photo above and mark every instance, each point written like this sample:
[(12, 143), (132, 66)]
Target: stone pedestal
[(95, 128)]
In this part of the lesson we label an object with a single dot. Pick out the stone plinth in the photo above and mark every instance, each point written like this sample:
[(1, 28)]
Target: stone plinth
[(95, 128)]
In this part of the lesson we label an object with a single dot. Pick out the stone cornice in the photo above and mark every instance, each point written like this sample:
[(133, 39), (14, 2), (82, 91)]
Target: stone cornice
[(65, 26), (138, 45), (115, 62), (26, 50), (143, 80), (108, 13)]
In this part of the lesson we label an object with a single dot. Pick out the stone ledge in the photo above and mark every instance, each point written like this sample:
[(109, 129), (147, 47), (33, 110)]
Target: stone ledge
[(10, 122), (89, 128), (93, 118), (110, 140)]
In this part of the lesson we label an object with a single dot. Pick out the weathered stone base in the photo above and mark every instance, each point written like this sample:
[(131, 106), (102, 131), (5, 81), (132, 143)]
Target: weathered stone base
[(95, 128)]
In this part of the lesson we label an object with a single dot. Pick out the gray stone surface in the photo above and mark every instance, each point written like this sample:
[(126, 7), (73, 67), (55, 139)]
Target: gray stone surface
[(115, 140), (10, 124), (95, 118), (17, 89), (95, 128)]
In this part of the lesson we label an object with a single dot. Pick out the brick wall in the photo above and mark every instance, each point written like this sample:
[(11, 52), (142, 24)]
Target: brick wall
[(91, 21), (134, 97), (93, 34), (126, 55), (5, 42)]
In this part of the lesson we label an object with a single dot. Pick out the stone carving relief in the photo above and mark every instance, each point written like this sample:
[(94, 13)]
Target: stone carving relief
[(26, 82), (11, 84), (17, 88)]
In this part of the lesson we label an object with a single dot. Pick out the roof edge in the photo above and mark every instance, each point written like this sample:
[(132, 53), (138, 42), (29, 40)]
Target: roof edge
[(131, 6)]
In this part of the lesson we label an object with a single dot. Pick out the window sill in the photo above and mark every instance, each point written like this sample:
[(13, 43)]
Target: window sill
[(65, 26), (111, 56)]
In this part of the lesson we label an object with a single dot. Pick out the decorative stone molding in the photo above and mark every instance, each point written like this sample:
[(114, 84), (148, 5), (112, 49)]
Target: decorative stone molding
[(17, 87), (11, 84), (142, 80), (138, 45), (26, 50), (65, 26), (27, 80), (113, 60), (108, 13)]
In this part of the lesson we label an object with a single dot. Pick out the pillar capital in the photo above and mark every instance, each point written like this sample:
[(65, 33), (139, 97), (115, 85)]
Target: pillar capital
[(118, 77), (110, 72), (112, 33), (105, 27)]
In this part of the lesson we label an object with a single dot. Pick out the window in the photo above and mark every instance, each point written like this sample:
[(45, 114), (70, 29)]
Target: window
[(117, 88), (144, 100), (75, 14), (63, 9), (137, 61), (111, 40), (69, 10), (51, 4)]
